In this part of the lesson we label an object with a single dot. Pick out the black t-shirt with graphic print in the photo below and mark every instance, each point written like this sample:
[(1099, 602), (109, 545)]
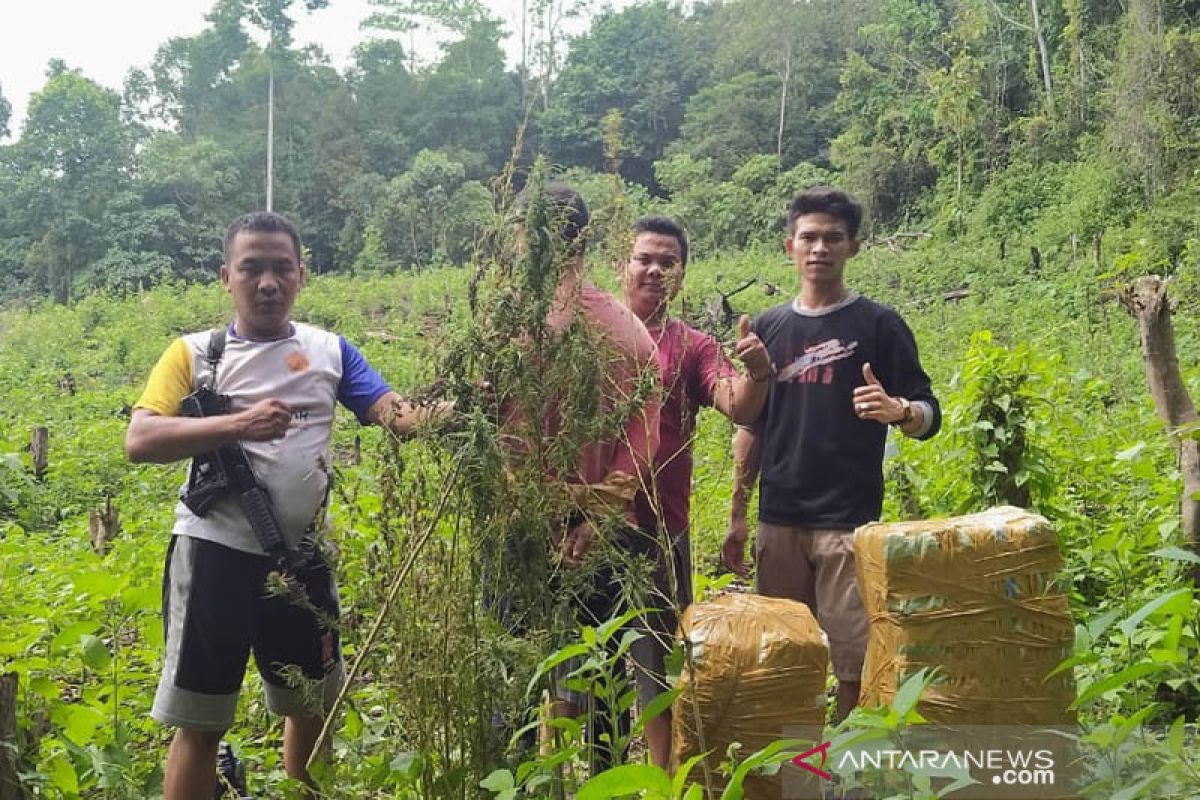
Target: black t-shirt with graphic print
[(822, 466)]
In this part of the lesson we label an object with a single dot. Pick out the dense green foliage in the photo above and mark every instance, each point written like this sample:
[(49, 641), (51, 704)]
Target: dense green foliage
[(965, 116)]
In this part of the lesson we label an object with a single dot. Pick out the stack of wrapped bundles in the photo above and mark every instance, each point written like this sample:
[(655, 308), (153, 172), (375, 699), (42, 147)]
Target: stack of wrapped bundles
[(757, 674), (979, 597)]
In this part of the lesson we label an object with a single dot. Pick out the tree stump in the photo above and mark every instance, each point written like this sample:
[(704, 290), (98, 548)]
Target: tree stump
[(1146, 299), (103, 526), (39, 451), (10, 784)]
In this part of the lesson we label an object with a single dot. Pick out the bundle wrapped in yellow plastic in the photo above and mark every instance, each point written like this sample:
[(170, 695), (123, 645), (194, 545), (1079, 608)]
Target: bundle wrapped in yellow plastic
[(979, 597), (758, 666)]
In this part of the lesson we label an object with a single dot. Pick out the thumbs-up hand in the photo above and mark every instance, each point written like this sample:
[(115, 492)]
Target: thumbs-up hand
[(869, 375), (752, 352), (743, 326), (872, 402)]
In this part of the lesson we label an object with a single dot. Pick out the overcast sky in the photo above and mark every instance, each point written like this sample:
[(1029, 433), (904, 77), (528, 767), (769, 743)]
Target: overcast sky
[(105, 38)]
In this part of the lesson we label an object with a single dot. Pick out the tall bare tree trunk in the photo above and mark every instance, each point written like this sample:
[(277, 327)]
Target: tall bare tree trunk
[(783, 93), (1043, 52), (10, 786), (550, 34), (958, 180), (1082, 77), (271, 123), (524, 65), (1146, 299)]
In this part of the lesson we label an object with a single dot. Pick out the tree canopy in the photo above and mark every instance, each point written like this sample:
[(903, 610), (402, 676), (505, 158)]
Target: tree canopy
[(922, 107)]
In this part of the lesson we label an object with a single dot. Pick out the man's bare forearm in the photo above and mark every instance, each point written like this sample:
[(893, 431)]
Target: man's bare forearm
[(160, 440), (747, 457), (403, 417), (917, 423), (741, 399)]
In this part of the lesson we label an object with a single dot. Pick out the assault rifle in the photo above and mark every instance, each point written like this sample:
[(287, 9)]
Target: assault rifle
[(226, 471)]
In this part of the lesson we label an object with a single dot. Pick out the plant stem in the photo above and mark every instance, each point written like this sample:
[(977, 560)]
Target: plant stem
[(384, 609)]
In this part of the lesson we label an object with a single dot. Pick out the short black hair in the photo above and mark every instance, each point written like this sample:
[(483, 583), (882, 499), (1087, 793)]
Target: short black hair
[(827, 200), (260, 222), (567, 209), (663, 226)]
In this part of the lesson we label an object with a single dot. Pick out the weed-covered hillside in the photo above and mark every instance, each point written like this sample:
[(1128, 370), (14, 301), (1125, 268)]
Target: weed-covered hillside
[(1045, 357)]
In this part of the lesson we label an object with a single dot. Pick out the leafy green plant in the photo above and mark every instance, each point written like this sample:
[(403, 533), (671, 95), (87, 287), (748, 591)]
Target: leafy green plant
[(867, 730), (593, 665), (997, 416)]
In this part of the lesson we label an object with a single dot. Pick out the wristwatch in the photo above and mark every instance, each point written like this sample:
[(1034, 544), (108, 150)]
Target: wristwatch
[(908, 413)]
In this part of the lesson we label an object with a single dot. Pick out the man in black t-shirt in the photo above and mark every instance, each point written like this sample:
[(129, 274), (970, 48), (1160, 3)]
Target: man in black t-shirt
[(845, 369)]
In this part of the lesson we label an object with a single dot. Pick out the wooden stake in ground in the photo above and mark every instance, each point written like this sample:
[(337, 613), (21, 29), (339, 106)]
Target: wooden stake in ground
[(10, 786), (39, 451), (1146, 300)]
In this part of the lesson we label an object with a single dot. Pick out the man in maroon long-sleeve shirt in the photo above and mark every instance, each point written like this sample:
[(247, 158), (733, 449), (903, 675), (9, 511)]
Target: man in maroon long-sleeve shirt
[(696, 373), (610, 471)]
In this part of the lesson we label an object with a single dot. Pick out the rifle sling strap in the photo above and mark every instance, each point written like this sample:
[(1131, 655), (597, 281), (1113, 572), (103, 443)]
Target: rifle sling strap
[(213, 355)]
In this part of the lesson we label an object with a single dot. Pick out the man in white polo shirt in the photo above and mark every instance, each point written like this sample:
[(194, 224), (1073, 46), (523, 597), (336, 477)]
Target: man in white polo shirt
[(282, 380)]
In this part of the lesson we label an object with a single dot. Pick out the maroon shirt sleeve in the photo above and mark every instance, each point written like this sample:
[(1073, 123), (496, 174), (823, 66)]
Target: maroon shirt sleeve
[(709, 366)]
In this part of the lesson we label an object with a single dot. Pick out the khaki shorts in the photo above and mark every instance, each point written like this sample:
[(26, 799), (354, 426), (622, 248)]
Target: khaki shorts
[(816, 567)]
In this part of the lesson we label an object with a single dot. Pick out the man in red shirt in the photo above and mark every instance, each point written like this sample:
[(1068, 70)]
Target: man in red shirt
[(611, 467), (695, 373)]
